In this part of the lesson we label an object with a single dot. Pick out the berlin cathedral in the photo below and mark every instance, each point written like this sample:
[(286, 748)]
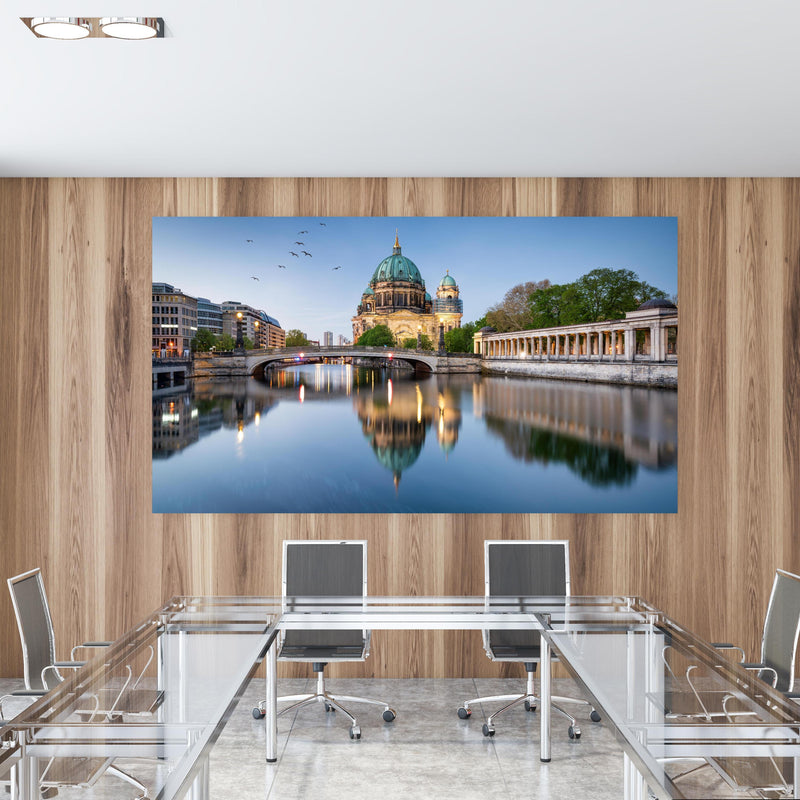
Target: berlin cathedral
[(396, 297)]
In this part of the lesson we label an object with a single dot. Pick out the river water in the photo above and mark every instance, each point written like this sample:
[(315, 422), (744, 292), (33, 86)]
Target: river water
[(343, 439)]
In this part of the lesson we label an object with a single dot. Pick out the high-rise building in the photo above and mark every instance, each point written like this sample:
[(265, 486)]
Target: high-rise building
[(342, 340), (327, 339), (262, 329), (174, 321), (209, 316), (272, 335)]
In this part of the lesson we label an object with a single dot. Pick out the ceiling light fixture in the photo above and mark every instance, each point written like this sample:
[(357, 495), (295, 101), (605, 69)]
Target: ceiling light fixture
[(132, 27), (61, 27)]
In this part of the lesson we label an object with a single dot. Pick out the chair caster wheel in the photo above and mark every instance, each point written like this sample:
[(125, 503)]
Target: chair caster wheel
[(574, 732), (595, 716), (329, 708), (488, 730), (258, 713), (530, 706), (389, 715), (355, 732), (464, 713)]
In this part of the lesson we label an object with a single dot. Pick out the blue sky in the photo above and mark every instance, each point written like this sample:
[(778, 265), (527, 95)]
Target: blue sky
[(210, 257)]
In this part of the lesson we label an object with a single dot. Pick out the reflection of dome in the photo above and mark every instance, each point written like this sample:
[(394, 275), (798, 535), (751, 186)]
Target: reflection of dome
[(397, 459), (447, 280), (397, 267), (656, 302)]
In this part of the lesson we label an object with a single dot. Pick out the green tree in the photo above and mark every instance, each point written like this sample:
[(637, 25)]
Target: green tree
[(296, 338), (555, 305), (425, 342), (513, 312), (203, 341), (609, 293), (249, 344), (459, 340), (376, 337), (594, 297), (225, 342)]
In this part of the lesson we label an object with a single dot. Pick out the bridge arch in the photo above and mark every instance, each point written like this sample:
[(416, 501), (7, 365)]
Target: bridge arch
[(258, 361)]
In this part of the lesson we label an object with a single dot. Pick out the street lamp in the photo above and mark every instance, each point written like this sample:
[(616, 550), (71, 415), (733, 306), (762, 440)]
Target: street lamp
[(239, 337), (255, 326), (419, 337)]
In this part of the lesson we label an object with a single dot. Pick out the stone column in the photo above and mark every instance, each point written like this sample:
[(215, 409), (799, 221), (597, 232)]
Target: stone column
[(547, 350), (613, 345), (630, 344)]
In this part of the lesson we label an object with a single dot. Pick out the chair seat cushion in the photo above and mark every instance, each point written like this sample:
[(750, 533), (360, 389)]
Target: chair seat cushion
[(321, 652), (516, 652)]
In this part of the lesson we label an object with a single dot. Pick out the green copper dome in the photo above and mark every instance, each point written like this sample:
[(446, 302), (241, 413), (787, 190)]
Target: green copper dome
[(368, 290), (448, 280), (397, 267)]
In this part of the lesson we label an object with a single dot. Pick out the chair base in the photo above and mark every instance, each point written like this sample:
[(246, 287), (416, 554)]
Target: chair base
[(332, 702), (531, 700)]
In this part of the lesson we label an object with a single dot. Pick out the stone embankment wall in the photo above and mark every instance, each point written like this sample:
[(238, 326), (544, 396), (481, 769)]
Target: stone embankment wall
[(635, 374), (220, 367)]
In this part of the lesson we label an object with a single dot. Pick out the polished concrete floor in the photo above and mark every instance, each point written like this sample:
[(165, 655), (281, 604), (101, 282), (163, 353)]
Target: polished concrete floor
[(427, 752)]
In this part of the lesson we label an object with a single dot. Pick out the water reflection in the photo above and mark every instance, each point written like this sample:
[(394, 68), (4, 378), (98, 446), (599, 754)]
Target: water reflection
[(485, 429)]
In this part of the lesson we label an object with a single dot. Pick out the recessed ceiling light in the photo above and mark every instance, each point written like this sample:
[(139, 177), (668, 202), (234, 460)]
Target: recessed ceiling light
[(130, 27), (61, 27)]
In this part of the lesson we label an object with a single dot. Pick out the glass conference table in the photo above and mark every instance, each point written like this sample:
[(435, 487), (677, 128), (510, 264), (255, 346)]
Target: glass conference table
[(667, 694)]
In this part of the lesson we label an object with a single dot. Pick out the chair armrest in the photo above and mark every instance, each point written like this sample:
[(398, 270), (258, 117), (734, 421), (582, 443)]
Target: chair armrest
[(753, 667), (87, 645), (59, 665), (729, 646)]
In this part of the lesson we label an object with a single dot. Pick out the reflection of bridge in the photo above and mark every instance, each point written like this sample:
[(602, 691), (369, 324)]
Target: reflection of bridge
[(640, 423), (254, 362)]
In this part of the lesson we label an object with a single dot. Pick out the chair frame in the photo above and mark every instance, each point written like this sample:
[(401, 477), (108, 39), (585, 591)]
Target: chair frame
[(529, 698), (332, 702), (54, 666)]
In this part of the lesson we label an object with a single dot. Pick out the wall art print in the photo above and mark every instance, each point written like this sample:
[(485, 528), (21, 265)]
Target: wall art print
[(415, 364)]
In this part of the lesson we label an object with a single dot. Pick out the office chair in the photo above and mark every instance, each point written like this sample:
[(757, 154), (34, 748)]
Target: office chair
[(324, 569), (43, 672), (523, 569), (776, 668)]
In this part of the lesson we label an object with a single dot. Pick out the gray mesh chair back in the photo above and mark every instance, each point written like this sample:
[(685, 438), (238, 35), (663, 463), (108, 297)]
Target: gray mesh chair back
[(781, 629), (324, 569), (522, 569), (35, 626)]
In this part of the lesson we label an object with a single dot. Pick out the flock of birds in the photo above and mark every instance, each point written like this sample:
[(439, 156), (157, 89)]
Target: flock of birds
[(292, 252)]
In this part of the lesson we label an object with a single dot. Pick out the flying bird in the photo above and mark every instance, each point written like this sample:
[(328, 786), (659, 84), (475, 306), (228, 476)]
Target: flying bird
[(292, 253), (281, 266), (306, 253), (300, 233), (253, 277), (300, 243), (250, 241), (323, 225), (339, 267)]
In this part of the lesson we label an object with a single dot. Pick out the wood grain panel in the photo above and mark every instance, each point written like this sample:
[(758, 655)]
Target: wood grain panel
[(75, 496)]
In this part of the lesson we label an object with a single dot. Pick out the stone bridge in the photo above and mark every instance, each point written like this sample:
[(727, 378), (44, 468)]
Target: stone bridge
[(254, 362)]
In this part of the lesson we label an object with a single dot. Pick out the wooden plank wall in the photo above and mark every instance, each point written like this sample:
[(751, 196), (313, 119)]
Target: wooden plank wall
[(75, 272)]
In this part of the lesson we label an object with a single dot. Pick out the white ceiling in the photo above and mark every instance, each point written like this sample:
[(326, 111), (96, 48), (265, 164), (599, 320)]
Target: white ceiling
[(418, 87)]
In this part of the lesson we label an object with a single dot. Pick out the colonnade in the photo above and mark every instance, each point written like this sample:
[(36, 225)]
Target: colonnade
[(605, 341)]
